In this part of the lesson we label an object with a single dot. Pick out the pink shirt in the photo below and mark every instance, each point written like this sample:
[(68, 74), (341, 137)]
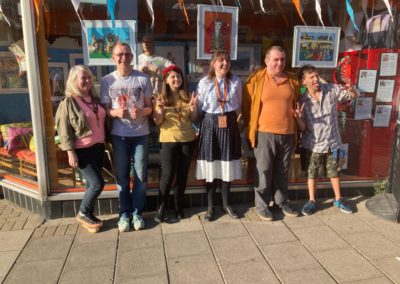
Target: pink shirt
[(96, 123)]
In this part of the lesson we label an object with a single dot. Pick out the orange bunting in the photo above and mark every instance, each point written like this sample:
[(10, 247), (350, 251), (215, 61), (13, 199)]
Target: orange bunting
[(182, 6), (38, 10), (299, 8)]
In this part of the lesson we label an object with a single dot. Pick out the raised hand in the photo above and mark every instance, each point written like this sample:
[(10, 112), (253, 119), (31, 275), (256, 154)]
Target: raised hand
[(298, 112), (193, 102)]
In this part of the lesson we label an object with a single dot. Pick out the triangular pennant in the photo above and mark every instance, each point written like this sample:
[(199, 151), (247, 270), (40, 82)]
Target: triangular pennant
[(76, 3), (221, 3), (299, 8), (351, 14), (149, 4), (319, 11), (111, 10), (38, 10), (262, 6), (389, 8), (3, 16), (182, 6)]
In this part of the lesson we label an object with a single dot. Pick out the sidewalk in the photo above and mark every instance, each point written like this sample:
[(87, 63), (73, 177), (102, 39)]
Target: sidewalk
[(328, 247)]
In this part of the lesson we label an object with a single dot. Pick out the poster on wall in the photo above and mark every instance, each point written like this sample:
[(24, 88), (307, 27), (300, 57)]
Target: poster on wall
[(217, 28), (388, 65), (385, 91), (363, 108), (99, 38), (382, 115), (367, 80), (11, 81), (315, 45)]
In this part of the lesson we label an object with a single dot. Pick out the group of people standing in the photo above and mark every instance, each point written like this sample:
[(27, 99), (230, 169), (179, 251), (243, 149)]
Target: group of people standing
[(270, 109)]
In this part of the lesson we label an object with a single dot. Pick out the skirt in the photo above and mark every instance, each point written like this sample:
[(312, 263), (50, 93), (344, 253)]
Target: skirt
[(219, 149)]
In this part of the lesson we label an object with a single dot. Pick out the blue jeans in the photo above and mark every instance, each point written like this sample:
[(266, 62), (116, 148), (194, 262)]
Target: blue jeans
[(90, 163), (126, 150)]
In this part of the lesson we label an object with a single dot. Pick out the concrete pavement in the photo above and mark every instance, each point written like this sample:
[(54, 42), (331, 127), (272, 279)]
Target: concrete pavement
[(328, 247)]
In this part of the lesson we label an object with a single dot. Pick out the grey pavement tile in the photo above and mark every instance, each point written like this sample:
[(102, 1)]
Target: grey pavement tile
[(286, 257), (72, 228), (388, 228), (147, 279), (320, 238), (61, 230), (302, 222), (390, 266), (14, 240), (306, 276), (140, 262), (380, 280), (7, 259), (19, 223), (140, 239), (38, 233), (7, 226), (186, 243), (270, 232), (194, 269), (97, 274), (91, 255), (192, 225), (373, 245), (83, 236), (50, 230), (347, 265), (237, 249), (42, 272), (347, 224), (218, 230), (46, 249), (253, 271), (33, 221)]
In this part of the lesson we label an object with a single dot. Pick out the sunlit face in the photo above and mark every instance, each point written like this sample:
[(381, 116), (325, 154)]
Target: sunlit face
[(221, 66), (275, 62), (84, 82), (174, 80), (311, 81), (147, 45), (122, 56)]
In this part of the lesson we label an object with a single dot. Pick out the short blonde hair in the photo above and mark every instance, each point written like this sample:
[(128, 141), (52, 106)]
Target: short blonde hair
[(71, 87)]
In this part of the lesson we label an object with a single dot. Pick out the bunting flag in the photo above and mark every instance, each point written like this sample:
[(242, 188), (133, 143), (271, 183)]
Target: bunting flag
[(351, 14), (38, 10), (262, 6), (239, 5), (182, 6), (221, 3), (149, 4), (76, 3), (3, 16), (299, 8), (389, 8), (111, 10), (319, 11), (330, 15)]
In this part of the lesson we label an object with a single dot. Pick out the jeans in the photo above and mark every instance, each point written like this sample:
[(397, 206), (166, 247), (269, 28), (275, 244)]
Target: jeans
[(126, 150), (90, 163)]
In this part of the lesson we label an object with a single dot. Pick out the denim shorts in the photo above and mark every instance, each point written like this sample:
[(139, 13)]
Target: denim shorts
[(325, 163)]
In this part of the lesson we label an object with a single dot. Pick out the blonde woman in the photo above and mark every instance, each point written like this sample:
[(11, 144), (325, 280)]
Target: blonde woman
[(80, 126)]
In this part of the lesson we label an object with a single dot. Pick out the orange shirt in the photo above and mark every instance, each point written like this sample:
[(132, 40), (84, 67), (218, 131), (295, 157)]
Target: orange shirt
[(276, 107)]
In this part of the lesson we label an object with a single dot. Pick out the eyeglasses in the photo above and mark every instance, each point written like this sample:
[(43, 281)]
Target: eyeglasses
[(127, 54)]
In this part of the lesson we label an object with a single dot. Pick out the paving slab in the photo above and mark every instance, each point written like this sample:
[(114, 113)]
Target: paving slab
[(373, 245), (61, 230), (218, 230), (194, 269), (38, 233), (306, 276), (390, 266), (303, 222), (380, 280), (140, 239), (288, 257), (43, 272), (14, 240), (192, 225), (270, 232), (148, 279), (388, 228), (347, 224), (252, 271), (347, 265), (33, 221), (99, 274), (234, 250), (50, 231), (46, 249), (83, 236), (320, 238), (185, 244), (7, 260), (142, 262)]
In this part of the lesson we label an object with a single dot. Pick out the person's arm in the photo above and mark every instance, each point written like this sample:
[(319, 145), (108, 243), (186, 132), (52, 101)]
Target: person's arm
[(158, 113), (298, 115), (193, 108)]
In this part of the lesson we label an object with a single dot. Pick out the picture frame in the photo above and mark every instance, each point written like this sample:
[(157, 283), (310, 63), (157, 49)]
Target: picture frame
[(318, 46), (247, 60), (58, 75), (11, 82), (99, 37), (77, 59), (367, 80), (217, 28), (388, 64)]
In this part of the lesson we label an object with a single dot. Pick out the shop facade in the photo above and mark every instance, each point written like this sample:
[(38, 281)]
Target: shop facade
[(39, 44)]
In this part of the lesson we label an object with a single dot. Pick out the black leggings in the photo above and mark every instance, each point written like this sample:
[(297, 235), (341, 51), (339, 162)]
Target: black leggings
[(175, 163), (211, 188)]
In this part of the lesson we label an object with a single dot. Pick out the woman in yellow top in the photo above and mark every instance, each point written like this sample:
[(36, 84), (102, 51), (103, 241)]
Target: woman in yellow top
[(174, 113)]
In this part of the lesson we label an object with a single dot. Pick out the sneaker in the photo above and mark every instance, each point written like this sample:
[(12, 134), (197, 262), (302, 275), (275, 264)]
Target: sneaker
[(308, 208), (265, 215), (137, 222), (287, 211), (123, 224), (341, 206), (89, 220)]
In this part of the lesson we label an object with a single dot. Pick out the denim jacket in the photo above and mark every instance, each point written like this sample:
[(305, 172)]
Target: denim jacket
[(70, 123)]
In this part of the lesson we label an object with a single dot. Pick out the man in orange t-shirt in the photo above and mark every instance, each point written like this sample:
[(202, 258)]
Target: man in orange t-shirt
[(269, 113)]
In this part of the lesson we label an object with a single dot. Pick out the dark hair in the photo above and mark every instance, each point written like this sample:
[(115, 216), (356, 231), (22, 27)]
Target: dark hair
[(166, 93), (307, 68), (217, 54), (274, 47)]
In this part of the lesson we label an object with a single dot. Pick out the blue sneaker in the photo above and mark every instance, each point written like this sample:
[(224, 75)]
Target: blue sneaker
[(341, 206), (308, 208), (123, 224)]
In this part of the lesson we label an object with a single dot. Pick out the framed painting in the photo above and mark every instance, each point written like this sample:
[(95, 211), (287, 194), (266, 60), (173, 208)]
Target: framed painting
[(217, 28), (11, 81), (99, 38), (315, 45), (77, 59), (58, 74)]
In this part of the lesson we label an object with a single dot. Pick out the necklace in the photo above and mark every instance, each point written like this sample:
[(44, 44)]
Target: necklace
[(93, 106)]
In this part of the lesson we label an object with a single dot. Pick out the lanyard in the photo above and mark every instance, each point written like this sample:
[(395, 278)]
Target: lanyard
[(219, 97)]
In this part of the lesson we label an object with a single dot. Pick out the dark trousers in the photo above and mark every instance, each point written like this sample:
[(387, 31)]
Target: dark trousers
[(175, 162), (90, 163)]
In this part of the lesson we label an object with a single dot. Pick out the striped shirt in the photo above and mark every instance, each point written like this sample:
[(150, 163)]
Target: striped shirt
[(322, 133)]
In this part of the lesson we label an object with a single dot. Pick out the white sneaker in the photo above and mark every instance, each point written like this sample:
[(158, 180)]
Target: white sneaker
[(137, 221), (123, 224)]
